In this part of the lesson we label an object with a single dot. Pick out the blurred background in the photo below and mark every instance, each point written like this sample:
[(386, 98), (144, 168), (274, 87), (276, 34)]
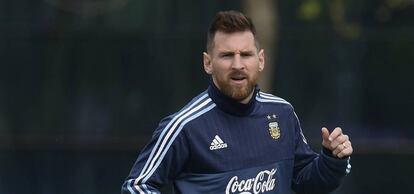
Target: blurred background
[(83, 83)]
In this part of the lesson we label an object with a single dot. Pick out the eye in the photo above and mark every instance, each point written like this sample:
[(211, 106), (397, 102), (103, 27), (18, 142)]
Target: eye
[(226, 55), (246, 54)]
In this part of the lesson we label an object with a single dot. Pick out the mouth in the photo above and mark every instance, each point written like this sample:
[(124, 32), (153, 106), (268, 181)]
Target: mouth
[(238, 78)]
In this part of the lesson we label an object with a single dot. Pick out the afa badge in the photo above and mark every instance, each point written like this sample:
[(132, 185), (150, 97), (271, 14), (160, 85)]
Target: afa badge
[(274, 129)]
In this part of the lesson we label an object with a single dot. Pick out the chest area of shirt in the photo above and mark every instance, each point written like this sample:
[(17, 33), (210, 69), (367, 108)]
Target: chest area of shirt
[(222, 143)]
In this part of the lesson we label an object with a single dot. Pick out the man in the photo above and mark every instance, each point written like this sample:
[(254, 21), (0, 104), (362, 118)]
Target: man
[(234, 138)]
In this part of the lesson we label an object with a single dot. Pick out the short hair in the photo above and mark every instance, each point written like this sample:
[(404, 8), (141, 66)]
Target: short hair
[(229, 22)]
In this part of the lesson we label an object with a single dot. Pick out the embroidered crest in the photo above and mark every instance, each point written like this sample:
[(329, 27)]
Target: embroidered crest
[(274, 129)]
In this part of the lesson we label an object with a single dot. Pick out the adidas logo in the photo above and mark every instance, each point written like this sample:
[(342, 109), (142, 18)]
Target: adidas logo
[(217, 143)]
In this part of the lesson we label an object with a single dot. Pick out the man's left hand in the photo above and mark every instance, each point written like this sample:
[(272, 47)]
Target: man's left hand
[(337, 142)]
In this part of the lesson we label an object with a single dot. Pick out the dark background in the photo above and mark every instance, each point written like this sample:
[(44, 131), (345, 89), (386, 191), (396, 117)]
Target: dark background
[(84, 83)]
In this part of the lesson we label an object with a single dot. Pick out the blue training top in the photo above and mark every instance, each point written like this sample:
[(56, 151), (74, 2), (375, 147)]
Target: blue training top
[(216, 145)]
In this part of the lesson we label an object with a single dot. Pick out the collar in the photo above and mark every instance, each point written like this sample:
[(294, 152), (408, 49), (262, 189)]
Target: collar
[(229, 105)]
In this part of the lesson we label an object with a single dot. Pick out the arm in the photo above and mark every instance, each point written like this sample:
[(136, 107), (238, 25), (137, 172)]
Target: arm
[(317, 173), (160, 160)]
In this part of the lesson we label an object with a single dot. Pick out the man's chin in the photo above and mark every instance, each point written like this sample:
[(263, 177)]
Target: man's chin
[(237, 92), (240, 94)]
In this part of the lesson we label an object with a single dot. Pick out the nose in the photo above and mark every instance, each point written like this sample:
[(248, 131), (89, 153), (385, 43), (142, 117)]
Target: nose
[(237, 62)]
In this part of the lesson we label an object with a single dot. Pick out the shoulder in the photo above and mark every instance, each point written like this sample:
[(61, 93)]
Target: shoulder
[(192, 110), (267, 98)]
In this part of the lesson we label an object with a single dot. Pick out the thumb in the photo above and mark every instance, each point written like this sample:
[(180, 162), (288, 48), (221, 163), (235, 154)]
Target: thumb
[(325, 136)]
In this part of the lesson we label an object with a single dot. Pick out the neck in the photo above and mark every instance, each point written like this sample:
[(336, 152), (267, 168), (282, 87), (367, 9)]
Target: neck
[(229, 105)]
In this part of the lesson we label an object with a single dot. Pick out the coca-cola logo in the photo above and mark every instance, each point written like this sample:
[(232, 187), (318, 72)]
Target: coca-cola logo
[(263, 182)]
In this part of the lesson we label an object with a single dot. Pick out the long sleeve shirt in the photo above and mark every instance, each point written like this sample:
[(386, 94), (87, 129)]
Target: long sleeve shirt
[(216, 145)]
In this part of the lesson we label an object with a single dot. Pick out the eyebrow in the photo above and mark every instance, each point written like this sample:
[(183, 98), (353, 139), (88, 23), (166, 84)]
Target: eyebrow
[(221, 53)]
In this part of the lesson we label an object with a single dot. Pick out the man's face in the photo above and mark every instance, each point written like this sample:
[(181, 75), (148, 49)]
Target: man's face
[(234, 64)]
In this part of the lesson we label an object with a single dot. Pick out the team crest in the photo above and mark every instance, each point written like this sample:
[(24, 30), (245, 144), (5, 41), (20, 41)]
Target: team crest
[(274, 129)]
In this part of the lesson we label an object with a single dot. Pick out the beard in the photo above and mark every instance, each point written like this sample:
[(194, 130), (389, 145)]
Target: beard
[(236, 92)]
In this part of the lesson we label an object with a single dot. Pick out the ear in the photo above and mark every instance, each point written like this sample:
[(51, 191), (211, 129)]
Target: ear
[(207, 63), (261, 60)]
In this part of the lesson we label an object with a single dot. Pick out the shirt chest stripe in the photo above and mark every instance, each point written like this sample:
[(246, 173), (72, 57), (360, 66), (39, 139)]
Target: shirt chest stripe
[(211, 106), (164, 137), (166, 129)]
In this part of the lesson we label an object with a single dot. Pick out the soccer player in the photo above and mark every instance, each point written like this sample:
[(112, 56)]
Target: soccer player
[(234, 138)]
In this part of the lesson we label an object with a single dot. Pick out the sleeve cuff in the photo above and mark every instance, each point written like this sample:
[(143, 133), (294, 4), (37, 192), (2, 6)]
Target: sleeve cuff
[(340, 165), (327, 152)]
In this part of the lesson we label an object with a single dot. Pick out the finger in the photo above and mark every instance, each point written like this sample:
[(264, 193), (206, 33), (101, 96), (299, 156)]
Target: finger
[(339, 140), (335, 133), (325, 138), (338, 150), (325, 134), (341, 147), (346, 152)]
